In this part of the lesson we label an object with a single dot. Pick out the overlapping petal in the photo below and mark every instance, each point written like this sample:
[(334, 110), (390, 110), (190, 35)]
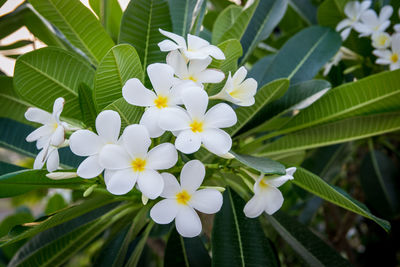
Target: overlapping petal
[(164, 211), (192, 175), (150, 183), (136, 94), (187, 222), (207, 201), (161, 157)]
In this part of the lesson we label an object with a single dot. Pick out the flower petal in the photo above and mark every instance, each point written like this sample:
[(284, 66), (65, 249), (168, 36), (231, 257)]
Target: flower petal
[(174, 119), (53, 160), (192, 175), (213, 51), (198, 65), (150, 119), (58, 107), (164, 211), (39, 116), (195, 42), (108, 125), (207, 201), (178, 63), (114, 157), (161, 157), (196, 102), (176, 38), (45, 130), (136, 140), (216, 141), (167, 45), (220, 116), (121, 182), (90, 167), (85, 143), (239, 75), (188, 142), (161, 77), (255, 207), (385, 13), (273, 199), (210, 76), (136, 94), (171, 186), (187, 222), (57, 138), (150, 183), (40, 159)]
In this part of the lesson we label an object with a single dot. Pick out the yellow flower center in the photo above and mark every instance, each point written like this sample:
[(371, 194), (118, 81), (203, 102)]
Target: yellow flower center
[(382, 39), (138, 164), (161, 102), (192, 78), (196, 126), (263, 184), (234, 93), (55, 125), (183, 197), (394, 57)]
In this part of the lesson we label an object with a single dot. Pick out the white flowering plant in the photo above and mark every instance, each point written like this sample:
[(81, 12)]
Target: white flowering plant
[(197, 133)]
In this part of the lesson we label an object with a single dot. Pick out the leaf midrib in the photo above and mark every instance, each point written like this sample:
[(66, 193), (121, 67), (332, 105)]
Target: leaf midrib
[(50, 78), (338, 114), (75, 33), (148, 35), (332, 142), (237, 229)]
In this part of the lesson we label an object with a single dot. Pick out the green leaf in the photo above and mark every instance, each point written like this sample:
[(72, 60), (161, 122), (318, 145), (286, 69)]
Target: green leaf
[(13, 134), (266, 17), (110, 14), (135, 257), (119, 65), (188, 252), (43, 75), (17, 44), (365, 96), (86, 104), (307, 245), (130, 114), (78, 24), (224, 21), (182, 15), (12, 106), (298, 96), (306, 10), (378, 177), (199, 18), (303, 55), (22, 216), (139, 27), (264, 165), (334, 133), (20, 182), (265, 95), (232, 24), (317, 186), (55, 203), (331, 12), (237, 240), (55, 246), (91, 209)]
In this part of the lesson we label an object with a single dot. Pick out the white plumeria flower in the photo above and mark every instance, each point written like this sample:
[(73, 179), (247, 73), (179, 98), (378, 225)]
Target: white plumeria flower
[(52, 131), (195, 127), (196, 47), (130, 162), (86, 143), (238, 90), (267, 196), (165, 95), (182, 199), (353, 10), (343, 54), (371, 23), (49, 154), (195, 72), (381, 40), (390, 57)]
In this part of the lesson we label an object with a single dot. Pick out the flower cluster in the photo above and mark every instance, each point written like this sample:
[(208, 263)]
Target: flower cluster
[(365, 21), (179, 103)]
